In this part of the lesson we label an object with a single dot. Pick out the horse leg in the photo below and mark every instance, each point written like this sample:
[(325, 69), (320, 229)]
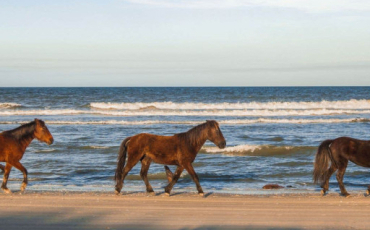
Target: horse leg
[(131, 162), (193, 175), (325, 184), (145, 164), (174, 180), (8, 167), (2, 168), (340, 175), (20, 167), (169, 174)]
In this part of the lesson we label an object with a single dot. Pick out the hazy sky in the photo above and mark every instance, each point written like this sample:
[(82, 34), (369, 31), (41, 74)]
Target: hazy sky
[(184, 43)]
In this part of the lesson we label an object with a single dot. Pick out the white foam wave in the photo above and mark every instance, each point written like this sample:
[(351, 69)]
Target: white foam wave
[(212, 113), (43, 150), (257, 150), (237, 149), (349, 104), (115, 122), (97, 147), (294, 121), (44, 112), (8, 105), (222, 122)]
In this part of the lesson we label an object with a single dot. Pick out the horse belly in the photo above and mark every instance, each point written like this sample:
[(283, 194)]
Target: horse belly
[(360, 162), (361, 158), (166, 159)]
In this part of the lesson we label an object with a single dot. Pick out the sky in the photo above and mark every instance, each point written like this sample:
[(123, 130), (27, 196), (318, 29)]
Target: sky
[(184, 43)]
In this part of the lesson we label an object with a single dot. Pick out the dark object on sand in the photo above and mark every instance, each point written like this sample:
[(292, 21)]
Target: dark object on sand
[(179, 149), (13, 144), (338, 152), (272, 186)]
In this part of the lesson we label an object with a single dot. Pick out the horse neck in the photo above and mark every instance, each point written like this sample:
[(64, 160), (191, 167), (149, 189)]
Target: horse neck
[(24, 136), (26, 140), (203, 137)]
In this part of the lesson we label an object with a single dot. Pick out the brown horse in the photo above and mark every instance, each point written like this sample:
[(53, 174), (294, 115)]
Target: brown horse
[(179, 149), (13, 144), (339, 152)]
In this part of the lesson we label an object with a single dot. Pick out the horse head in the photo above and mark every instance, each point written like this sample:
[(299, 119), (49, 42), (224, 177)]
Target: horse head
[(215, 135), (42, 132)]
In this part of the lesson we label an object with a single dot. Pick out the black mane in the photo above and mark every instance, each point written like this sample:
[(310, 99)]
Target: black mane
[(22, 131), (195, 135)]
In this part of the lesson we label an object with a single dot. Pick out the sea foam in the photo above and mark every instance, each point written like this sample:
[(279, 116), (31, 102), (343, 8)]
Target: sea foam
[(259, 150), (188, 122), (7, 105), (349, 104), (208, 113)]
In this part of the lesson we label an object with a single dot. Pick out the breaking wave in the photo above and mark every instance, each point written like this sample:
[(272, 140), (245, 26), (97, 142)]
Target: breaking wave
[(95, 147), (9, 105), (213, 113), (222, 122), (349, 104), (259, 150)]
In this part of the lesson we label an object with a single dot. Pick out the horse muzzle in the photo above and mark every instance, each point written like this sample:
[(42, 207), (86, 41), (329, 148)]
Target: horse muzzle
[(51, 141), (222, 145)]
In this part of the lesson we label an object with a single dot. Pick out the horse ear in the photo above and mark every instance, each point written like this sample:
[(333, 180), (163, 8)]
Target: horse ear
[(36, 120)]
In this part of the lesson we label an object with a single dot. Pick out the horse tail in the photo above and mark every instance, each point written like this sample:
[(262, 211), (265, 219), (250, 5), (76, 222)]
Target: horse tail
[(322, 159), (121, 160)]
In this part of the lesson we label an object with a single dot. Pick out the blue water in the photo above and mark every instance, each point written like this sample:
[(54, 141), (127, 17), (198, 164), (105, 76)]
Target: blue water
[(272, 134)]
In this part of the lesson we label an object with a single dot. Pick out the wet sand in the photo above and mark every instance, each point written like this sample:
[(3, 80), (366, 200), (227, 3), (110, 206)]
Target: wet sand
[(76, 210)]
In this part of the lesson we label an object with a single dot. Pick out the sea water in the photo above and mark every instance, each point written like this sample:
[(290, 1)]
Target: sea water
[(272, 134)]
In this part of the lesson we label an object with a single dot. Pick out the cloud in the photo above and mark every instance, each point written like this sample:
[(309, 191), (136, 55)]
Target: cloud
[(304, 5)]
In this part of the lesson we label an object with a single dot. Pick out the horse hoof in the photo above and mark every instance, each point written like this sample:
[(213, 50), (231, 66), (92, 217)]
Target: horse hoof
[(367, 192), (7, 191), (201, 194), (23, 187), (167, 194), (345, 195), (323, 192), (151, 193), (117, 193)]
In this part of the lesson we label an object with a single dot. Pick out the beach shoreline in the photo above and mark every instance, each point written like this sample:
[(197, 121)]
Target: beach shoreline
[(137, 210)]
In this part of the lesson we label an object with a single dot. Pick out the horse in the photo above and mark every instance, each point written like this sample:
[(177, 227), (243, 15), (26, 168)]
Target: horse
[(339, 151), (179, 149), (13, 144)]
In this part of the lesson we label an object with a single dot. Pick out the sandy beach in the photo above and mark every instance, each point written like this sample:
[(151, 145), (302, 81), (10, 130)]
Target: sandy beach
[(76, 210)]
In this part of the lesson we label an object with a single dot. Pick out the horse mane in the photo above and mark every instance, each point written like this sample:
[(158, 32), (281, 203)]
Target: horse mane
[(22, 131), (195, 135)]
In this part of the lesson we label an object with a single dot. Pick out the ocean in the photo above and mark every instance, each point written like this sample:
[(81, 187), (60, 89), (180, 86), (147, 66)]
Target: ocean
[(272, 134)]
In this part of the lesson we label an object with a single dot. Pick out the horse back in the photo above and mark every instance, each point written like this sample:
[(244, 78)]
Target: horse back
[(355, 150), (161, 149)]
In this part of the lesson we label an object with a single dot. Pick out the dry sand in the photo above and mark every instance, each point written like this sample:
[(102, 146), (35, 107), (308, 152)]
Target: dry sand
[(71, 210)]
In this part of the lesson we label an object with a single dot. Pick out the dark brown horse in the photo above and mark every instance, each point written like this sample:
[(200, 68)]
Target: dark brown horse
[(179, 149), (13, 144), (338, 152)]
